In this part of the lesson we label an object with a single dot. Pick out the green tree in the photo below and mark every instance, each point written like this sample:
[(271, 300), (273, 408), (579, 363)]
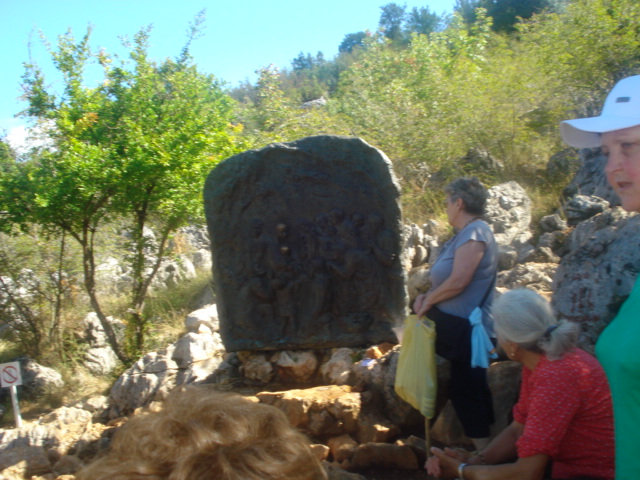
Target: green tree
[(272, 108), (136, 147), (275, 117), (7, 154), (351, 41), (505, 13), (467, 10), (392, 20), (423, 21), (584, 51)]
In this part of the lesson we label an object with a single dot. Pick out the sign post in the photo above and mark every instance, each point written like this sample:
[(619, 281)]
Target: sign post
[(10, 377)]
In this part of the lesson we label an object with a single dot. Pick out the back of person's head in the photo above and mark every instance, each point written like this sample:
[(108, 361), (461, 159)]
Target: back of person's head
[(200, 434), (524, 317), (472, 192)]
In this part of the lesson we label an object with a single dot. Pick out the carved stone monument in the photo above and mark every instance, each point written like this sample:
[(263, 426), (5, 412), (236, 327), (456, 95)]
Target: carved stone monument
[(305, 239)]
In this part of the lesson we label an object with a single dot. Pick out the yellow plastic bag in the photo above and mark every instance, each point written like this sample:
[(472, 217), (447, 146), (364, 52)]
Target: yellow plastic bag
[(416, 377)]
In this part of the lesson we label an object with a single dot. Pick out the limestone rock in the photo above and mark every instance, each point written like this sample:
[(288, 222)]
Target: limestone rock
[(599, 270), (418, 282), (581, 207), (383, 455), (201, 371), (553, 222), (320, 451), (416, 246), (336, 473), (342, 448), (100, 359), (590, 179), (337, 369), (320, 411), (507, 257), (37, 379), (504, 382), (368, 371), (47, 440), (24, 462), (373, 427), (194, 347), (151, 377), (256, 368), (93, 331), (297, 367), (67, 465), (97, 405), (378, 351), (207, 316), (536, 276), (509, 214), (564, 162)]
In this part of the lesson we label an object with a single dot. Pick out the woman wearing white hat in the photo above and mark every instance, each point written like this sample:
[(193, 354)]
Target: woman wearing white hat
[(617, 132)]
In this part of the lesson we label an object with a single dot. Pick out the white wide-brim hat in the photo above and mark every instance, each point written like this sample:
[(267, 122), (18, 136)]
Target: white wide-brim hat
[(621, 110)]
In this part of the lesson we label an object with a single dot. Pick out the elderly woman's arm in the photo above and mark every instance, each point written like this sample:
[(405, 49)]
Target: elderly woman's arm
[(527, 468), (465, 262), (501, 449)]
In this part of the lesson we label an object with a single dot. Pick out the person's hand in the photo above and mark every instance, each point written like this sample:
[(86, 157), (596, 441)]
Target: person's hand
[(459, 454), (432, 466), (447, 465), (420, 305)]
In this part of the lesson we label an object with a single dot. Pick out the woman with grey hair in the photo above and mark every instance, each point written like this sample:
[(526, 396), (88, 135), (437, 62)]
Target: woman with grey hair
[(564, 413), (523, 318), (463, 278)]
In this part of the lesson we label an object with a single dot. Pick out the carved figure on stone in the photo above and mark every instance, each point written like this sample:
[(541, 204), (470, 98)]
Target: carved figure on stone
[(282, 279)]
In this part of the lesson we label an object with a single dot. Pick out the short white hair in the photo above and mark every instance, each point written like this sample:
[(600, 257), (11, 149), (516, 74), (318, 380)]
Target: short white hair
[(524, 317)]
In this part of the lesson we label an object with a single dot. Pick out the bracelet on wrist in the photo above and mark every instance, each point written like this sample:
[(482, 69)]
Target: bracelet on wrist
[(461, 471)]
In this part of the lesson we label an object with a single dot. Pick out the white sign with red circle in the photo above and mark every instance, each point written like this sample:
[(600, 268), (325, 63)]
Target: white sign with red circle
[(10, 374)]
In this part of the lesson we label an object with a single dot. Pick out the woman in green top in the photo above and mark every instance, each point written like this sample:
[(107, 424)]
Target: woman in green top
[(617, 132)]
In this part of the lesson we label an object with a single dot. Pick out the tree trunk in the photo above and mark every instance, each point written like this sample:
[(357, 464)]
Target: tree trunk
[(88, 264)]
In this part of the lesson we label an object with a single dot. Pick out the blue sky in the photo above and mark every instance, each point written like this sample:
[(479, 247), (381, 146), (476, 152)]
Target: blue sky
[(240, 36)]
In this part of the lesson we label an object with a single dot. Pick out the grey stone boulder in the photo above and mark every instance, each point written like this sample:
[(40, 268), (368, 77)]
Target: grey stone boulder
[(508, 212), (599, 270), (582, 207)]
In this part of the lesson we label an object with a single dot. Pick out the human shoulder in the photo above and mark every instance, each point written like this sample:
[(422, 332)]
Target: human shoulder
[(478, 231), (553, 370), (567, 369)]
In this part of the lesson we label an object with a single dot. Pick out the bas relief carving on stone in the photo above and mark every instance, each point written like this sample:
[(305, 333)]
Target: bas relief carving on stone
[(305, 238)]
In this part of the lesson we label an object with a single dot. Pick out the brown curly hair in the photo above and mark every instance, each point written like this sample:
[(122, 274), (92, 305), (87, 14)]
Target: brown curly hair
[(200, 434)]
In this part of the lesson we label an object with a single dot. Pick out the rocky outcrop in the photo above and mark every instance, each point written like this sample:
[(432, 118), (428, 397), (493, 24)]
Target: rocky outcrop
[(190, 247), (598, 271), (508, 212), (54, 445), (590, 179), (99, 358)]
